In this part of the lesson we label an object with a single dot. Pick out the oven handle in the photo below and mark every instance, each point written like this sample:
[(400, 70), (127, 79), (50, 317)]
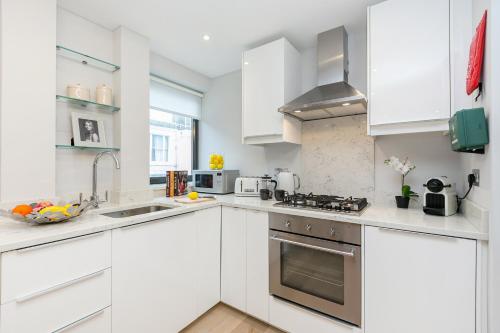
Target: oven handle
[(314, 247)]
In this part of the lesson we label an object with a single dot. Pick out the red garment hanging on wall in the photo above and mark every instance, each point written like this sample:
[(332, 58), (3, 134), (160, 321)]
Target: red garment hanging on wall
[(476, 55)]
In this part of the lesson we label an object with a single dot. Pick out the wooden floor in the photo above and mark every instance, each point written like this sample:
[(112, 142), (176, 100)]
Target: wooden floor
[(224, 319)]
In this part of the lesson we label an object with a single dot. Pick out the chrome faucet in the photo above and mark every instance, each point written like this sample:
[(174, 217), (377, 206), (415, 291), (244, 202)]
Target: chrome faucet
[(94, 199)]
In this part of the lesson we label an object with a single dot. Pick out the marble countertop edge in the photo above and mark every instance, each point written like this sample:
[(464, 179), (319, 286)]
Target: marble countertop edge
[(16, 235)]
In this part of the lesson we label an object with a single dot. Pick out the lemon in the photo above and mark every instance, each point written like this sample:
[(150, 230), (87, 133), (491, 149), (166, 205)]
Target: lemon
[(193, 195), (219, 166), (212, 166)]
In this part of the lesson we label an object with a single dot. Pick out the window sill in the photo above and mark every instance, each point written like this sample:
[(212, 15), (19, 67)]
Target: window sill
[(157, 186)]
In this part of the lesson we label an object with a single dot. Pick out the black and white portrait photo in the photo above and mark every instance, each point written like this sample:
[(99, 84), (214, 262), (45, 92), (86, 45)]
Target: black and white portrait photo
[(88, 130)]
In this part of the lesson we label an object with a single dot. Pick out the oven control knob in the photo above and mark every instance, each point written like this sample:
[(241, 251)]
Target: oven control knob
[(308, 227), (288, 224)]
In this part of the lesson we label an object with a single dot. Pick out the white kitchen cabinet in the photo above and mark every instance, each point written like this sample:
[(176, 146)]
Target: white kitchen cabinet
[(154, 275), (418, 283), (233, 258), (408, 66), (56, 308), (245, 261), (166, 273), (208, 237), (53, 264), (257, 264), (271, 78)]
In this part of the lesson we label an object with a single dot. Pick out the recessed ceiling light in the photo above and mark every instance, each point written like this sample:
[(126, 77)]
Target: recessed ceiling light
[(206, 37), (297, 111), (346, 104), (246, 62)]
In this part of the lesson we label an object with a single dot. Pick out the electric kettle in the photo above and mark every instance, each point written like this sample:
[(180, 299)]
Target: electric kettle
[(287, 180)]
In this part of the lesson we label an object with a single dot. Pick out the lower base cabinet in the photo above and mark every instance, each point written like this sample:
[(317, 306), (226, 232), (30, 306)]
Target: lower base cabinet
[(65, 307), (245, 261), (233, 258), (416, 283), (257, 264), (165, 272)]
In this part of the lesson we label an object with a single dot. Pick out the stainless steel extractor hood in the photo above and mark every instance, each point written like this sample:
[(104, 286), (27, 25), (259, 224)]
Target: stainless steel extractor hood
[(333, 97)]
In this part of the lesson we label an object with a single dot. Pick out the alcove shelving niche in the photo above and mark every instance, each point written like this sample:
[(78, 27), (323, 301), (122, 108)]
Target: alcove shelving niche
[(74, 67)]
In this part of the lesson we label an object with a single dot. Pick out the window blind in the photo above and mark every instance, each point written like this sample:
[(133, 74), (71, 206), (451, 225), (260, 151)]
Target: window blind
[(165, 95)]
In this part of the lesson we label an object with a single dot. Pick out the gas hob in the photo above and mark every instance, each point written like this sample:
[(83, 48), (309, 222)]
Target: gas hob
[(332, 203)]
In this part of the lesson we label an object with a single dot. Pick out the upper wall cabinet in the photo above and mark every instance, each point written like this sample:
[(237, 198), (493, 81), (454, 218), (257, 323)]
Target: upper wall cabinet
[(271, 77), (409, 66)]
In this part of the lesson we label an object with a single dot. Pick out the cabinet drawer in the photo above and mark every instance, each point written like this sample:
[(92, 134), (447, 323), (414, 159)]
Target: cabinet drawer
[(41, 267), (296, 319), (59, 307), (97, 322)]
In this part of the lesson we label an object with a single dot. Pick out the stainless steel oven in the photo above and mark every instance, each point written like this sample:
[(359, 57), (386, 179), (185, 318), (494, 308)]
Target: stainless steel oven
[(316, 263)]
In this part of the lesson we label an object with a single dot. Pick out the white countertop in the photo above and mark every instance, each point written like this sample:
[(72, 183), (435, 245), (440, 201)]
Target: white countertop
[(15, 235)]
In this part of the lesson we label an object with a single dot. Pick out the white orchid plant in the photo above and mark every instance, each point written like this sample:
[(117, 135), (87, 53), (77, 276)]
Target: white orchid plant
[(404, 168)]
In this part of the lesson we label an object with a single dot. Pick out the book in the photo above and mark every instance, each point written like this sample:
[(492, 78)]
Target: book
[(176, 183)]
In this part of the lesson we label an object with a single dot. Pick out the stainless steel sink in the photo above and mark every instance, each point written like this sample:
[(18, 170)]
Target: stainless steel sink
[(136, 211)]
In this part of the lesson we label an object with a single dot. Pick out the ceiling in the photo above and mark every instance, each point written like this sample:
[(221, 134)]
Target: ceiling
[(175, 28)]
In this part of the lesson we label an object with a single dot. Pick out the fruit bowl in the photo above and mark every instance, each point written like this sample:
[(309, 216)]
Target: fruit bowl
[(48, 214)]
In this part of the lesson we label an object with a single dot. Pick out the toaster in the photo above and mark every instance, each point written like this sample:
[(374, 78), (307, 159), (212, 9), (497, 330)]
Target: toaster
[(249, 186)]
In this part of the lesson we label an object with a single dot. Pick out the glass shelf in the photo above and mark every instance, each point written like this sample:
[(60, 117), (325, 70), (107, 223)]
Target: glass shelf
[(86, 59), (87, 148), (84, 103)]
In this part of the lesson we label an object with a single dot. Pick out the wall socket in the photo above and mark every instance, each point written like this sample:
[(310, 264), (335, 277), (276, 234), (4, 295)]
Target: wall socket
[(476, 174)]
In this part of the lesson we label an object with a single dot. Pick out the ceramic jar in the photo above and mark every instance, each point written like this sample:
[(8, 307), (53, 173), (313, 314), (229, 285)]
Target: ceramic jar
[(78, 92), (104, 95)]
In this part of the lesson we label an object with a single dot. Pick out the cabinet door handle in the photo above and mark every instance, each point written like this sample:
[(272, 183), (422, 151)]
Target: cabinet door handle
[(80, 321), (135, 225), (39, 293), (64, 241), (422, 233)]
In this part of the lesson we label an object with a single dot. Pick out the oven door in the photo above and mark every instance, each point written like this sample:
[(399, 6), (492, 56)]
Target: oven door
[(319, 274)]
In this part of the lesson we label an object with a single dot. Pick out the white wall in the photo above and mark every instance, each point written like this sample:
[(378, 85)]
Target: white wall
[(74, 167), (494, 243), (177, 73), (220, 132), (482, 194), (431, 154), (27, 104), (131, 51), (127, 129), (84, 36)]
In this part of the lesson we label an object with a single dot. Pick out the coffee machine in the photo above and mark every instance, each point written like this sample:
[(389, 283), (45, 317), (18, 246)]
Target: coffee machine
[(440, 197)]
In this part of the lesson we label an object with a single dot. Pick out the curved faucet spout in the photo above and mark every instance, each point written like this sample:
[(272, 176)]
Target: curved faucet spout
[(94, 199), (102, 153)]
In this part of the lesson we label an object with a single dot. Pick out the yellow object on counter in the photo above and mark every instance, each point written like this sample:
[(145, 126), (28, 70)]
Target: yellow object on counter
[(193, 195), (56, 209), (216, 162)]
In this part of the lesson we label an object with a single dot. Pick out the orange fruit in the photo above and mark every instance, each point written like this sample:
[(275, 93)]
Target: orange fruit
[(22, 210)]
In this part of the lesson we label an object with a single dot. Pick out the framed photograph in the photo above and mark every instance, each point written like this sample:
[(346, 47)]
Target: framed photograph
[(88, 130)]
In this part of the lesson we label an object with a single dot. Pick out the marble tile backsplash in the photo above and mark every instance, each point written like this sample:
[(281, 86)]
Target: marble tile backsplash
[(338, 157)]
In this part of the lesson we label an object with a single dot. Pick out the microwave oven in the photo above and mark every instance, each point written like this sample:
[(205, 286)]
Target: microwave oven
[(214, 181)]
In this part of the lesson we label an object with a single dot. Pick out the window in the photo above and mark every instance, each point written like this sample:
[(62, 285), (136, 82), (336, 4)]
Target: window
[(159, 148), (173, 124)]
